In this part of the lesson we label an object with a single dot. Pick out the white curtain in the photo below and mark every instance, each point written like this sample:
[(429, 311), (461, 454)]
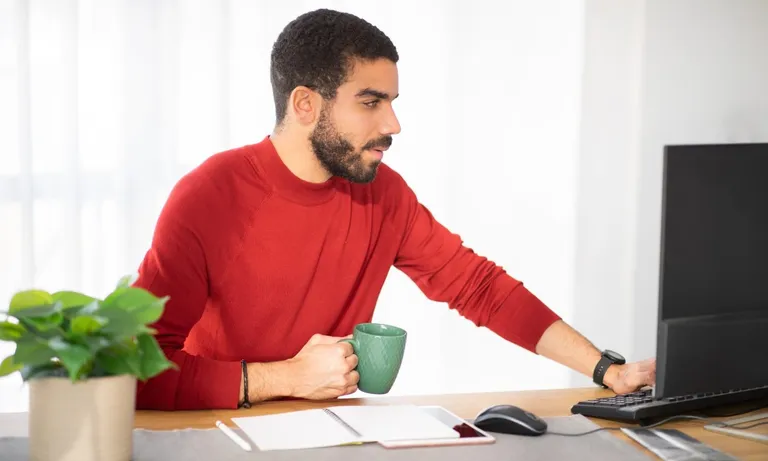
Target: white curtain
[(104, 104)]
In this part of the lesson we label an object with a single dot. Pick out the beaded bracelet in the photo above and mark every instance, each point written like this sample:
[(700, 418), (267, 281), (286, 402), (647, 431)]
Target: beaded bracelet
[(246, 403)]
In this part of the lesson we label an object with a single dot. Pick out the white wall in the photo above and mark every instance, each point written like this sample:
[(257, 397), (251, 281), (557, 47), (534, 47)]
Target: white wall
[(606, 191), (705, 80), (656, 72), (498, 168)]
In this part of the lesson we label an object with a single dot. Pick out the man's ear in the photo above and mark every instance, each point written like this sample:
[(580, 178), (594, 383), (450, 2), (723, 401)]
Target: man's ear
[(305, 105)]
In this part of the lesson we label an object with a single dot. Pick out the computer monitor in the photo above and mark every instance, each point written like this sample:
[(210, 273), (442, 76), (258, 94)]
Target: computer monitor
[(712, 335), (712, 331)]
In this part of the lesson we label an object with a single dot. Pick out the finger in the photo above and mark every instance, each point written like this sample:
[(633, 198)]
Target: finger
[(340, 382), (647, 364), (352, 361), (346, 349), (350, 390), (353, 378), (642, 379)]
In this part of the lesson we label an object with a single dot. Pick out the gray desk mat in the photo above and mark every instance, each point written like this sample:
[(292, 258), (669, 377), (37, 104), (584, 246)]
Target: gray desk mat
[(212, 444)]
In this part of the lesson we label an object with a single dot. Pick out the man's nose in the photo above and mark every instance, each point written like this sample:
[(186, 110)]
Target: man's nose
[(391, 125)]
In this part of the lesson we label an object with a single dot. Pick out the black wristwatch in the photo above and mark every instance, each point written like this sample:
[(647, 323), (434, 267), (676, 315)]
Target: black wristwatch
[(608, 358)]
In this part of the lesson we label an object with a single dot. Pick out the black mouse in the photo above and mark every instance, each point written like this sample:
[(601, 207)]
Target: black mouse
[(509, 419)]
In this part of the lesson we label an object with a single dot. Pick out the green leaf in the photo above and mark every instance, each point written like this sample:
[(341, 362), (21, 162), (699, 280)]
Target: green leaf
[(38, 311), (119, 323), (96, 343), (143, 305), (118, 299), (43, 334), (41, 319), (10, 331), (70, 299), (51, 369), (97, 370), (126, 281), (31, 350), (41, 325), (149, 313), (153, 360), (8, 366), (29, 298), (90, 308), (86, 324), (120, 359), (72, 334), (72, 356)]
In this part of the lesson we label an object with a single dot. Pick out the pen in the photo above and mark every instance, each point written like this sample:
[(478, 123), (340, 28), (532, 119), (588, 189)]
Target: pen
[(235, 438)]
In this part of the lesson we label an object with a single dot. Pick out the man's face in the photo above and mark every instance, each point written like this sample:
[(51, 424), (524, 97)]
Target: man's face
[(355, 129)]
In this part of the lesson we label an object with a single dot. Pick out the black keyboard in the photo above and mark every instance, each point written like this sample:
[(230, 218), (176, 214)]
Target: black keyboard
[(642, 407)]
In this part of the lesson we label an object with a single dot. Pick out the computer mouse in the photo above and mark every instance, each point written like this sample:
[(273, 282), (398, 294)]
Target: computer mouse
[(509, 419)]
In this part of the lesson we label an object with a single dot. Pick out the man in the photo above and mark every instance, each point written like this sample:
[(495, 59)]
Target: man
[(272, 252)]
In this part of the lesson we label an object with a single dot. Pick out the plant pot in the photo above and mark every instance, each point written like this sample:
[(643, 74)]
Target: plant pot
[(89, 420)]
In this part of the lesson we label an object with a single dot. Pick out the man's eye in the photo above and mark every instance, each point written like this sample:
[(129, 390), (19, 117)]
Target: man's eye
[(371, 103)]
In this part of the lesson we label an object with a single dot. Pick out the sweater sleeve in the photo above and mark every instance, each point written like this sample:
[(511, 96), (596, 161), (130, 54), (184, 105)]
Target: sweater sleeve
[(176, 266), (447, 271)]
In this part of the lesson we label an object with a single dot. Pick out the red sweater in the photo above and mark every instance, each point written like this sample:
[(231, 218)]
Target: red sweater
[(256, 260)]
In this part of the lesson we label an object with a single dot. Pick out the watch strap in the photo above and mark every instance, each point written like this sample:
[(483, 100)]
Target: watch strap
[(599, 373)]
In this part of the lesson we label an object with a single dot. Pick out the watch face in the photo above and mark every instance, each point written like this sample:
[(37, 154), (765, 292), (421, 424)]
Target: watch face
[(614, 356)]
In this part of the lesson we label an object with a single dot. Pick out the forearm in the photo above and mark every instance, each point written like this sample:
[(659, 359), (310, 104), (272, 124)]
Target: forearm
[(561, 343), (521, 318), (267, 381), (199, 383)]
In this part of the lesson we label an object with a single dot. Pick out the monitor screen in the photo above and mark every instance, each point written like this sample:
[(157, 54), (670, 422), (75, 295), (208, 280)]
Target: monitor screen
[(713, 293), (715, 230)]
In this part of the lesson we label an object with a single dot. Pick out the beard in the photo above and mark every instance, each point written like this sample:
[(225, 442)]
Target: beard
[(339, 157)]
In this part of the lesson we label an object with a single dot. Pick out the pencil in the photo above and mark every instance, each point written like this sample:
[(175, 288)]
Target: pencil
[(235, 438)]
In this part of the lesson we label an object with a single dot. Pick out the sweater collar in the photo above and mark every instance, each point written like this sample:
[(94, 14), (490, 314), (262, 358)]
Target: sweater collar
[(288, 184)]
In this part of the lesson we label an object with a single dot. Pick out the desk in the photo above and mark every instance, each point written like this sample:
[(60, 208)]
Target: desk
[(541, 403)]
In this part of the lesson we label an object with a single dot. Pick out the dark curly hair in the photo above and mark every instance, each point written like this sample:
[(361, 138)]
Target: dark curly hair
[(317, 50)]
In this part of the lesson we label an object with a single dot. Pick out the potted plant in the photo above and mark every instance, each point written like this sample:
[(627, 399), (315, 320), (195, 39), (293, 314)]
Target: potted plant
[(81, 357)]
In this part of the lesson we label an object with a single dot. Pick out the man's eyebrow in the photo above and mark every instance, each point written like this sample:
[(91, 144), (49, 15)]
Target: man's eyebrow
[(375, 93)]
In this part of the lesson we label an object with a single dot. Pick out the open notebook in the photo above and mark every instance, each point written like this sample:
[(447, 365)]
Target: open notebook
[(340, 425)]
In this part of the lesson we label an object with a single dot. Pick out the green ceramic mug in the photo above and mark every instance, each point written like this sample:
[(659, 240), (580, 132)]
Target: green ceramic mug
[(379, 349)]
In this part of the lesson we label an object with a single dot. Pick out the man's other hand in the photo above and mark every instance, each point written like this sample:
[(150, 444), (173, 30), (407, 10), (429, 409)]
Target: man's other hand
[(324, 369), (630, 377)]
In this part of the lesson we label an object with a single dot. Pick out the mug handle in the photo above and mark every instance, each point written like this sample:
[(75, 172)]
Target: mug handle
[(354, 343)]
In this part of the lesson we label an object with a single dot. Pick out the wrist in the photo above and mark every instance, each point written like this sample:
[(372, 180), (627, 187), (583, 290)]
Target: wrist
[(612, 375), (285, 382), (606, 370), (268, 381)]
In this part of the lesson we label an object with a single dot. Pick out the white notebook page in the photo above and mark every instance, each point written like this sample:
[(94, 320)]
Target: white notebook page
[(294, 430), (394, 422), (316, 428)]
